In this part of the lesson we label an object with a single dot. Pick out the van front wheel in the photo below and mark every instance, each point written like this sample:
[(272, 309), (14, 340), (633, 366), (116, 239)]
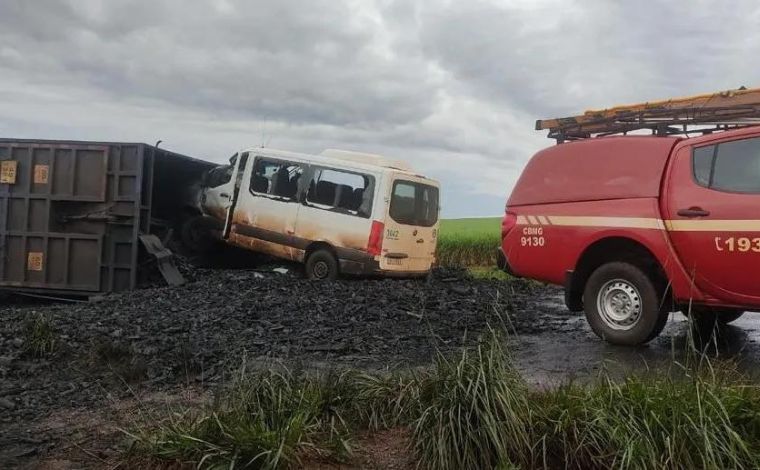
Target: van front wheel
[(622, 304), (321, 266)]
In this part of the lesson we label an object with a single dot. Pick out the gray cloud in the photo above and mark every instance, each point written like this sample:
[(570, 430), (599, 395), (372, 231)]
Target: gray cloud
[(320, 64), (555, 57), (452, 86)]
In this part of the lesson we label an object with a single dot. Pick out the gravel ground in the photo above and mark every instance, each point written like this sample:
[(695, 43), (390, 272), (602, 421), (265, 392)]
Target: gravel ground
[(163, 346), (162, 338)]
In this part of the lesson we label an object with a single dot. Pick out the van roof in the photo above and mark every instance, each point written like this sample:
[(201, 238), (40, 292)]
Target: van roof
[(367, 158), (342, 158)]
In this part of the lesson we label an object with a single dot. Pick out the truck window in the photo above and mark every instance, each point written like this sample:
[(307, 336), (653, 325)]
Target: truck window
[(703, 158), (730, 166), (275, 178), (343, 191), (414, 203)]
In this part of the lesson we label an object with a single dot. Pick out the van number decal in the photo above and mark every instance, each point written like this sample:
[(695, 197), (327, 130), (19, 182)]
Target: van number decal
[(391, 234), (533, 236), (742, 244)]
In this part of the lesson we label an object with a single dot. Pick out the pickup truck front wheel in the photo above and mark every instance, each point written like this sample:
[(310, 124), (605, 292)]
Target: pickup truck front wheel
[(622, 304)]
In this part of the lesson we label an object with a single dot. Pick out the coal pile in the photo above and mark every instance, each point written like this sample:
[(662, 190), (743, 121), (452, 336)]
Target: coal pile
[(230, 314), (199, 332)]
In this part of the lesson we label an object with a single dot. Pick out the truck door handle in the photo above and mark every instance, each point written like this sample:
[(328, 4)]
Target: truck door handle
[(693, 212), (224, 195), (420, 240)]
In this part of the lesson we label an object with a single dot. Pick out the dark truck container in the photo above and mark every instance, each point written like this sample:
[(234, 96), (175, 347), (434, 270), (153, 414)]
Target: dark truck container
[(81, 218)]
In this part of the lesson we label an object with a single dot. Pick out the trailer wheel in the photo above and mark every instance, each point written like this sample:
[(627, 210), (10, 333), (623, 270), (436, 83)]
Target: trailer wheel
[(322, 266), (622, 304)]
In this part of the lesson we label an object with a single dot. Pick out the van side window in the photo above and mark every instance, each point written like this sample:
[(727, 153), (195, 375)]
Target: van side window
[(343, 191), (732, 166), (275, 178)]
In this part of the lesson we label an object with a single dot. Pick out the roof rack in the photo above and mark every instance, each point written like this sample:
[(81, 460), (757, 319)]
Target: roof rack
[(711, 112)]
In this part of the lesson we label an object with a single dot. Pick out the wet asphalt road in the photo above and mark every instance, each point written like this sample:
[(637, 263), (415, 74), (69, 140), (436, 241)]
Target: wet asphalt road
[(571, 351)]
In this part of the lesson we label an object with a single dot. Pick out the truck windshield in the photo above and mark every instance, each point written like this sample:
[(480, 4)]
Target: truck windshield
[(414, 203)]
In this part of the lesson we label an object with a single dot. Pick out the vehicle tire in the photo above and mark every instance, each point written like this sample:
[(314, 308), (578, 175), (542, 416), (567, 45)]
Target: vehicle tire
[(196, 234), (322, 266), (623, 305)]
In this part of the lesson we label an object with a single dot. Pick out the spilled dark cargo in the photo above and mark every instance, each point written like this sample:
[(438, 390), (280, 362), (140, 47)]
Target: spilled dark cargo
[(72, 213)]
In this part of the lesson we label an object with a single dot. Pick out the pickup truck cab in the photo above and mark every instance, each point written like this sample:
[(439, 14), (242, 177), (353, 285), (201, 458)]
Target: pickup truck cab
[(339, 212), (635, 227)]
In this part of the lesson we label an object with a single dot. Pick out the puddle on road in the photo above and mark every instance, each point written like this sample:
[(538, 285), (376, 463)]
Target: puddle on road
[(574, 352)]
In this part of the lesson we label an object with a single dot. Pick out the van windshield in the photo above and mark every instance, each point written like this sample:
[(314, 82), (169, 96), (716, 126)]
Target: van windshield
[(414, 203)]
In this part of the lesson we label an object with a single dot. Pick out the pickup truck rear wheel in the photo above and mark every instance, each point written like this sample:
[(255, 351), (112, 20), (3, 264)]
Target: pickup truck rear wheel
[(322, 266), (623, 305)]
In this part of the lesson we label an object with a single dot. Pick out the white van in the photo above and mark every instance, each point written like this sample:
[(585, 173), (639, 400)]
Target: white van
[(339, 212)]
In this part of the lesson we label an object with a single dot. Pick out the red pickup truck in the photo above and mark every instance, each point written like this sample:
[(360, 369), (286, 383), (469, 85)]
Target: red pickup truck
[(637, 226)]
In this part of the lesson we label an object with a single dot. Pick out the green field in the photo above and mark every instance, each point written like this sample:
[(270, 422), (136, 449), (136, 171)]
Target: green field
[(469, 242), (471, 226)]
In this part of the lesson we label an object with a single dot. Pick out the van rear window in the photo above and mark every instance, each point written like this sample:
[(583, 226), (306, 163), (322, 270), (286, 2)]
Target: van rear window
[(414, 203)]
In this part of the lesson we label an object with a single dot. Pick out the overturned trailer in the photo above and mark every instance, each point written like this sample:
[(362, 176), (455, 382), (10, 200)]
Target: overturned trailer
[(81, 218)]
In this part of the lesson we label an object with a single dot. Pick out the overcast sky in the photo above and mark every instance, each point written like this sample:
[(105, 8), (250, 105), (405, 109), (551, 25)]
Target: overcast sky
[(454, 87)]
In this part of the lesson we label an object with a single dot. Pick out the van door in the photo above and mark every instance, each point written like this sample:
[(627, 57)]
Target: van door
[(713, 210), (265, 209), (411, 225), (336, 208), (219, 183)]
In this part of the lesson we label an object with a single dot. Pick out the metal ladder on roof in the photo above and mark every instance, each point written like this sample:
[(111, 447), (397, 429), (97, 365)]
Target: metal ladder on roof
[(699, 114)]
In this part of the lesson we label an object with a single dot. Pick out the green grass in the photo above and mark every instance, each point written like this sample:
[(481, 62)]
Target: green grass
[(472, 411), (488, 272), (469, 242), (40, 338), (274, 419)]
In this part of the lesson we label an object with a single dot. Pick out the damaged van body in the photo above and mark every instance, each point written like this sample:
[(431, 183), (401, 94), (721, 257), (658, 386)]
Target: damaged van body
[(338, 213)]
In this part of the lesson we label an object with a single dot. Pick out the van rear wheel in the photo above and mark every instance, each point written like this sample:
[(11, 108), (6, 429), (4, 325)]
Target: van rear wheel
[(622, 304), (322, 266)]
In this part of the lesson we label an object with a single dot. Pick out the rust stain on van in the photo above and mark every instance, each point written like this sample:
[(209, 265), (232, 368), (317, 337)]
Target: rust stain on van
[(255, 244)]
